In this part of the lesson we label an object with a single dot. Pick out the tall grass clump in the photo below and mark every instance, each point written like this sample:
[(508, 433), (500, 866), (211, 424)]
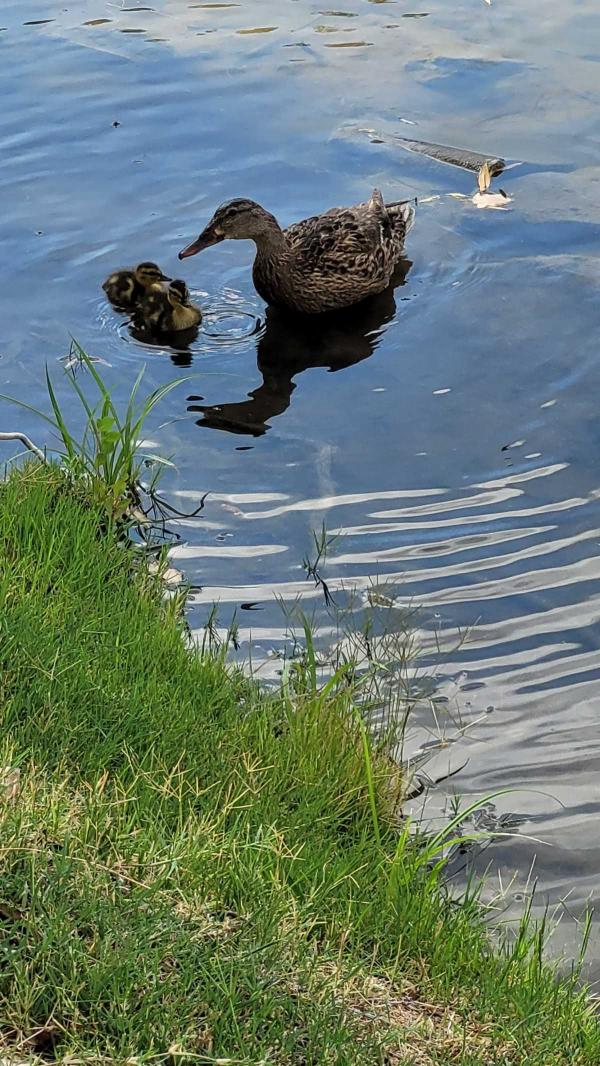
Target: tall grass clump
[(105, 455), (194, 870)]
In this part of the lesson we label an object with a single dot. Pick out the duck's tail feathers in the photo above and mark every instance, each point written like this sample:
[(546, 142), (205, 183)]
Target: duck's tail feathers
[(376, 202), (402, 214)]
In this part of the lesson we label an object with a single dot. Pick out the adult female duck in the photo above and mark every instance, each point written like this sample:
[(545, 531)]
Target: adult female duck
[(324, 263)]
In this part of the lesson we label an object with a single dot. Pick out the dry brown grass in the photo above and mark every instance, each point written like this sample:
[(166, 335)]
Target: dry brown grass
[(411, 1030)]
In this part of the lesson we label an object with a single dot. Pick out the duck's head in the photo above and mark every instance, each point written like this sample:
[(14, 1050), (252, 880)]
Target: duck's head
[(237, 220), (178, 293), (149, 274)]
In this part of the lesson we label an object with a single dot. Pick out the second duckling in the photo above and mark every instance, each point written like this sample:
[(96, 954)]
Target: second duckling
[(169, 312), (125, 288)]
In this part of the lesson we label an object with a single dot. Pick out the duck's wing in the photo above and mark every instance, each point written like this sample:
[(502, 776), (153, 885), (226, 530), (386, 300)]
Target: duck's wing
[(341, 238), (117, 278), (120, 288), (150, 312)]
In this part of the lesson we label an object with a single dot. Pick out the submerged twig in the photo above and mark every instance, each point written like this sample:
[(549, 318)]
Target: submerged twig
[(162, 506), (157, 513), (27, 442)]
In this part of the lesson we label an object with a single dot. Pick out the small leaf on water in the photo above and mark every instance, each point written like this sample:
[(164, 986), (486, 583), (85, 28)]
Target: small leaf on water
[(257, 29), (484, 178), (10, 783)]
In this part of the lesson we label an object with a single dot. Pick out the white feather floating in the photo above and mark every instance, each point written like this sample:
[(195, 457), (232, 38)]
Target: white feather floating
[(497, 201)]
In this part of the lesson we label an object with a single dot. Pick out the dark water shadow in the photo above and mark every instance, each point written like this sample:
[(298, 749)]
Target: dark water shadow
[(178, 344), (291, 344)]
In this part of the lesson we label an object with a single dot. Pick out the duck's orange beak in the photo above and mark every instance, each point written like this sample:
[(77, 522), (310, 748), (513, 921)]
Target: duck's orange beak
[(208, 236)]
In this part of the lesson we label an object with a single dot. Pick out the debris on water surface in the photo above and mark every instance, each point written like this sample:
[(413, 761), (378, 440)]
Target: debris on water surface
[(486, 167), (169, 575), (483, 197), (71, 361), (498, 201), (454, 157), (137, 515), (464, 158)]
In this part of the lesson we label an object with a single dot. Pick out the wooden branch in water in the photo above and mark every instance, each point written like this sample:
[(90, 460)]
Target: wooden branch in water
[(27, 442)]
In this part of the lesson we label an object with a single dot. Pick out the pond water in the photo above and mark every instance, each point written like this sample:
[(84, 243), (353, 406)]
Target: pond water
[(455, 447)]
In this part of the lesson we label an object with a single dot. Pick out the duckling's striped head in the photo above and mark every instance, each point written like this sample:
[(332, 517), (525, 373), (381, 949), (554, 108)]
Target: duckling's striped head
[(149, 274), (179, 292)]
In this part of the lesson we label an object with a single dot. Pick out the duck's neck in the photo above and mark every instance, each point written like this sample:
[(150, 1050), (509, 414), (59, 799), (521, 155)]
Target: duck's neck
[(270, 239)]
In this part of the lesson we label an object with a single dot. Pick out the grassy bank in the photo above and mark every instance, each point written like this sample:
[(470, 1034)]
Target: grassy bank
[(192, 870)]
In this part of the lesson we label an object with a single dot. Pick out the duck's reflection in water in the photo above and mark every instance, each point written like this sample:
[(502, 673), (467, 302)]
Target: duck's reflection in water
[(291, 344)]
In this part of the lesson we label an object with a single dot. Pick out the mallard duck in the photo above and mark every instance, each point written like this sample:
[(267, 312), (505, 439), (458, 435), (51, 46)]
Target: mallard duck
[(124, 288), (323, 263), (169, 311)]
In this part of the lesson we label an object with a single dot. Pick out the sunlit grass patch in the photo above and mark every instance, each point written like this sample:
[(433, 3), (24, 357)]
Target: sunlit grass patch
[(195, 870), (106, 456)]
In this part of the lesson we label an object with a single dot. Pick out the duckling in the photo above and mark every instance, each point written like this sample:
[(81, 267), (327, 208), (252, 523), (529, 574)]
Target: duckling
[(125, 288), (168, 312)]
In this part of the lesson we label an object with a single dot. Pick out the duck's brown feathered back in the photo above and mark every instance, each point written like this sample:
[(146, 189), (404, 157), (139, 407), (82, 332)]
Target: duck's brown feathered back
[(337, 258)]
